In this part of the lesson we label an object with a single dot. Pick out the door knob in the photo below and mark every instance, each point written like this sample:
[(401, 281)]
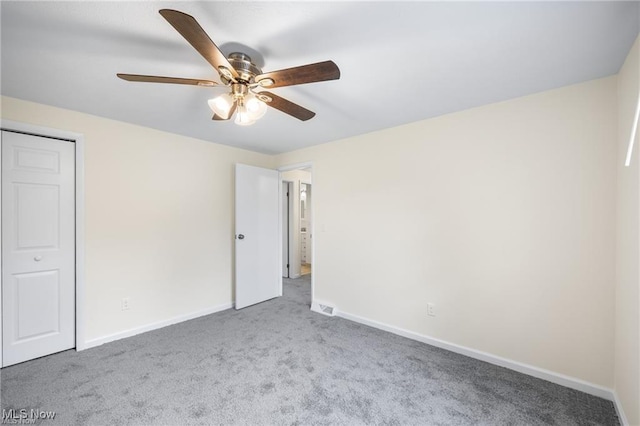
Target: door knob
[(37, 258), (240, 237)]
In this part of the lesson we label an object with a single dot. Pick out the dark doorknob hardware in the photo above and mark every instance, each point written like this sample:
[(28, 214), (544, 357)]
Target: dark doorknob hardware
[(240, 237)]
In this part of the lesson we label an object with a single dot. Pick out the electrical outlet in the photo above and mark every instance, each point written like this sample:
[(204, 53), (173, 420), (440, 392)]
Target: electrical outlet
[(431, 309), (125, 304)]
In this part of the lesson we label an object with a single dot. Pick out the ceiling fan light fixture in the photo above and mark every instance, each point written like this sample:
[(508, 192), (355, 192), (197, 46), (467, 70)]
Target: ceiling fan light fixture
[(221, 105), (254, 106), (243, 117)]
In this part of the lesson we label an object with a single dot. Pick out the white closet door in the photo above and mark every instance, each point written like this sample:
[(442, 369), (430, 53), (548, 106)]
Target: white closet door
[(38, 246)]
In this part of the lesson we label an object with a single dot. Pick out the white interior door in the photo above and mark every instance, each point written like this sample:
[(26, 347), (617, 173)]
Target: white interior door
[(38, 246), (257, 235)]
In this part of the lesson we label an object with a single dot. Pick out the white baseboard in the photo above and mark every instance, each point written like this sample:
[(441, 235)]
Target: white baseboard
[(619, 410), (154, 326), (560, 379)]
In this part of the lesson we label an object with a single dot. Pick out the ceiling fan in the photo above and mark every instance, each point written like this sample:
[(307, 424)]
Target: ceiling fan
[(241, 76)]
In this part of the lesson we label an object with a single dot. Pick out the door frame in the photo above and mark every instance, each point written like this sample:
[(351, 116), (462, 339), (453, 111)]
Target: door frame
[(303, 182), (286, 168), (78, 139), (286, 213)]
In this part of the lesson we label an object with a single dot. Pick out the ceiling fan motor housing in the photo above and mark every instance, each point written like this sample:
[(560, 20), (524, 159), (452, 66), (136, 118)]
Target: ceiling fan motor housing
[(246, 69)]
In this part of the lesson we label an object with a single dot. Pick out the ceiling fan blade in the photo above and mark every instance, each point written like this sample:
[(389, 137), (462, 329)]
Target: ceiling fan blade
[(189, 28), (321, 71), (172, 80), (287, 107), (217, 117)]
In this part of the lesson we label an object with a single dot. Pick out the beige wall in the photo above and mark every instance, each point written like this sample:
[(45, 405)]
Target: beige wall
[(159, 218), (503, 216), (627, 330)]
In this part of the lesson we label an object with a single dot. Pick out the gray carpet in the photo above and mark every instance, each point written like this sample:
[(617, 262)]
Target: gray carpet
[(279, 363)]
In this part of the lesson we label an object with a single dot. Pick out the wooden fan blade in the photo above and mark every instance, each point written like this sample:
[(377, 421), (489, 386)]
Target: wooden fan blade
[(216, 117), (322, 71), (288, 107), (189, 28), (172, 80)]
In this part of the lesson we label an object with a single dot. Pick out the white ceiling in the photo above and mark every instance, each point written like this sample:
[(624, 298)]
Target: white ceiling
[(400, 62)]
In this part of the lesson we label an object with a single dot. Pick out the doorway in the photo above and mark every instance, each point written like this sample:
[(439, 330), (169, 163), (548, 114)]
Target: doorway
[(305, 228), (297, 230), (287, 214), (42, 235)]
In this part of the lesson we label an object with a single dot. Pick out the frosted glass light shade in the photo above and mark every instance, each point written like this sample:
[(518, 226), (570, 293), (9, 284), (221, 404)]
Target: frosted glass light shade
[(221, 105), (254, 106), (243, 118)]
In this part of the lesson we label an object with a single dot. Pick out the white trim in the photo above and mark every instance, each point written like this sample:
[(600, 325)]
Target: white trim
[(80, 257), (296, 166), (560, 379), (280, 230), (78, 140), (290, 240), (619, 410), (1, 364), (39, 130), (156, 325)]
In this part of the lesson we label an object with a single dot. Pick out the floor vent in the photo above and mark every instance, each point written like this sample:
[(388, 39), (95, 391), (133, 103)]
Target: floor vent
[(324, 309)]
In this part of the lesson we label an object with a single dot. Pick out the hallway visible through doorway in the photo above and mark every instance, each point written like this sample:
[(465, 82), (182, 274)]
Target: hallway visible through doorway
[(305, 269), (297, 224)]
